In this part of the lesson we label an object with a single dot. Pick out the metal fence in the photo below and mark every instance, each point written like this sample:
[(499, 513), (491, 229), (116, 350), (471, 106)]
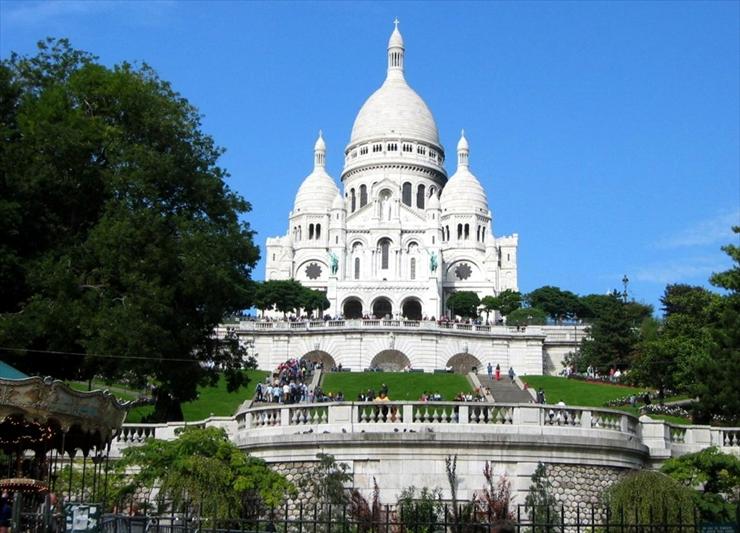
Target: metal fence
[(421, 519)]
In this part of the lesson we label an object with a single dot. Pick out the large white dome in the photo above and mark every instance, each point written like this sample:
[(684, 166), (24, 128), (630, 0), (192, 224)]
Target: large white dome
[(395, 110)]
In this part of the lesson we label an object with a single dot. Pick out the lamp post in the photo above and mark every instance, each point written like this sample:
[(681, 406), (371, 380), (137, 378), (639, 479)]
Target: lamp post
[(625, 281)]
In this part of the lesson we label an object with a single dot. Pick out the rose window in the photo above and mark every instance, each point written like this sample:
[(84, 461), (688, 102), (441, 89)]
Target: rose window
[(313, 271), (463, 271)]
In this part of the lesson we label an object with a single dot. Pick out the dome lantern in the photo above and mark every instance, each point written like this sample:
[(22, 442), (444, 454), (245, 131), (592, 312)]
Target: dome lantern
[(319, 152), (395, 52), (463, 150)]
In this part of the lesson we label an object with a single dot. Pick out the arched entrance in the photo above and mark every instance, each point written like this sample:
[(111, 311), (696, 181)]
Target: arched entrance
[(462, 363), (318, 356), (352, 308), (412, 309), (390, 361), (382, 307)]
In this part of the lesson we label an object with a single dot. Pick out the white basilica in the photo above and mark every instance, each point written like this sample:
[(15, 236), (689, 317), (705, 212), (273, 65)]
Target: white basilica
[(402, 236)]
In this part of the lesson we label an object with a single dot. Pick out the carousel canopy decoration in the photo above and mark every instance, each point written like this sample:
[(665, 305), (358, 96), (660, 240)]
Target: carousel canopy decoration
[(38, 413)]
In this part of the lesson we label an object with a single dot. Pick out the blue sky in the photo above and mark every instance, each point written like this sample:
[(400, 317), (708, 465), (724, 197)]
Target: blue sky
[(607, 135)]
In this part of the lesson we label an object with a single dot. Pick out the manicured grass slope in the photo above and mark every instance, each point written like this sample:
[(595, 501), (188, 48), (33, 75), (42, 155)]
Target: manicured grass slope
[(211, 400), (401, 385), (574, 392), (580, 393)]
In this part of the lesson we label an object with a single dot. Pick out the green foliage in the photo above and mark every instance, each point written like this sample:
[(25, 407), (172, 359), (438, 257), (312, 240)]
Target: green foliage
[(204, 467), (464, 304), (312, 300), (401, 385), (715, 478), (526, 316), (120, 234), (613, 334), (420, 510), (646, 497), (506, 302), (555, 302), (289, 296), (540, 503), (329, 480)]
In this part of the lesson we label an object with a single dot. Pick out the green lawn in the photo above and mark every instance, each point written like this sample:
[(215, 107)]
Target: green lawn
[(214, 401), (580, 393), (401, 385)]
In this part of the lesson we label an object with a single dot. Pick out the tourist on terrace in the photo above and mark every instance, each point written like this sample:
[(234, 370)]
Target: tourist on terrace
[(498, 372), (490, 370), (511, 374)]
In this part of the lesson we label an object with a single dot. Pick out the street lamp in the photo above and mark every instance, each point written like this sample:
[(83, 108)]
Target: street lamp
[(625, 281)]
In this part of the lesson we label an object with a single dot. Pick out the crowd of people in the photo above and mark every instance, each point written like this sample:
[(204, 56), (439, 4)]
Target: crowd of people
[(288, 384)]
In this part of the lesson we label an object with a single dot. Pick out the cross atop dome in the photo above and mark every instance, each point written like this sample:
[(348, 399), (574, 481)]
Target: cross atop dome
[(395, 52), (319, 151)]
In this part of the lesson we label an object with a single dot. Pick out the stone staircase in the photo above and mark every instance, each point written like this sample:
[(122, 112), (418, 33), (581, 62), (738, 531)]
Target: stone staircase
[(504, 391)]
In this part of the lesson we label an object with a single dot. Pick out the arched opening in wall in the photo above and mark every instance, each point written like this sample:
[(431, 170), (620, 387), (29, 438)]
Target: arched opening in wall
[(412, 309), (363, 195), (310, 231), (406, 194), (459, 231), (420, 196), (326, 361), (353, 200), (390, 361), (352, 308), (382, 307), (357, 268), (318, 231), (462, 363), (384, 249)]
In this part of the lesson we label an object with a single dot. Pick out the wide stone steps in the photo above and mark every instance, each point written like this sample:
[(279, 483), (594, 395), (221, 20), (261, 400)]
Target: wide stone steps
[(503, 390)]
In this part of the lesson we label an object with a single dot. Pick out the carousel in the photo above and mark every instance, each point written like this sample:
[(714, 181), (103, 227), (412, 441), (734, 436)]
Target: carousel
[(51, 434)]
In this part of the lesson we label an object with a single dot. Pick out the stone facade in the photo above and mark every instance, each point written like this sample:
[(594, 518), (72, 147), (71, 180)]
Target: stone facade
[(582, 486), (401, 237)]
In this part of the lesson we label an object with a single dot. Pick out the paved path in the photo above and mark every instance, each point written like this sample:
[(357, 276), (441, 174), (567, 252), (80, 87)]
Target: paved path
[(504, 391)]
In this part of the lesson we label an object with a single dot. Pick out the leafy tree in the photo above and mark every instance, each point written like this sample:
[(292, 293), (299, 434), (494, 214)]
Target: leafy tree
[(203, 466), (557, 303), (464, 304), (613, 334), (489, 303), (312, 300), (509, 301), (120, 236), (690, 300), (329, 480), (716, 376), (645, 494), (540, 502), (715, 477), (526, 316)]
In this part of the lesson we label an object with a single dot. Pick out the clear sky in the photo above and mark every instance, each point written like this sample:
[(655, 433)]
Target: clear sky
[(607, 135)]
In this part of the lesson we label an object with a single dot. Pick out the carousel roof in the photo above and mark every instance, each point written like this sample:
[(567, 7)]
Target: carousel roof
[(8, 372), (44, 414)]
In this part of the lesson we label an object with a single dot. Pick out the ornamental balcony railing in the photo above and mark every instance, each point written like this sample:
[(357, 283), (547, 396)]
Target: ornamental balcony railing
[(252, 424), (568, 334)]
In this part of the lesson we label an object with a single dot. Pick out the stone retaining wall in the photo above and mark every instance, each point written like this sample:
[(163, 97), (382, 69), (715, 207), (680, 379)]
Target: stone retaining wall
[(582, 486)]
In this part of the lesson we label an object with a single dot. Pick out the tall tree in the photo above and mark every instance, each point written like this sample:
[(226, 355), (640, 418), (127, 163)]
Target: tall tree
[(122, 244), (557, 303), (464, 304)]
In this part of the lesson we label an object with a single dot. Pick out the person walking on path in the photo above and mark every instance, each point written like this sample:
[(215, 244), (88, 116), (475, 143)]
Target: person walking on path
[(490, 371), (498, 372), (511, 374)]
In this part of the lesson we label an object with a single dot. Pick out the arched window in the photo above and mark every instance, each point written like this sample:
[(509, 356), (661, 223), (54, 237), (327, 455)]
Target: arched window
[(406, 194), (357, 268), (459, 232), (310, 232), (483, 234), (363, 195), (420, 197), (467, 231), (477, 233), (412, 268), (318, 231), (353, 200), (432, 190), (385, 246), (446, 233)]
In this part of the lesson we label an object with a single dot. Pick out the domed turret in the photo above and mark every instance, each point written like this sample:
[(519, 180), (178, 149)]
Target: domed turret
[(318, 190), (463, 192), (395, 109), (338, 202)]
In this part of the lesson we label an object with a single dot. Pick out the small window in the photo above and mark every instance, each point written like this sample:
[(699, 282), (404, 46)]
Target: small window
[(483, 234), (318, 231), (412, 269), (392, 147), (363, 195), (406, 194), (273, 257), (385, 245), (363, 150), (508, 257), (353, 200), (408, 148), (421, 150), (377, 148), (336, 239), (432, 239), (467, 231), (310, 232), (420, 196), (459, 231), (357, 268)]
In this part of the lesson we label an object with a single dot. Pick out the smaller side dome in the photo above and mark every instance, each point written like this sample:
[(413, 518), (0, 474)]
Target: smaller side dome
[(338, 202), (433, 202), (463, 192), (318, 191)]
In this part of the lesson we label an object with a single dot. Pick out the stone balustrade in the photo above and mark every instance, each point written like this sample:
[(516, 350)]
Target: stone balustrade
[(553, 333), (663, 439)]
